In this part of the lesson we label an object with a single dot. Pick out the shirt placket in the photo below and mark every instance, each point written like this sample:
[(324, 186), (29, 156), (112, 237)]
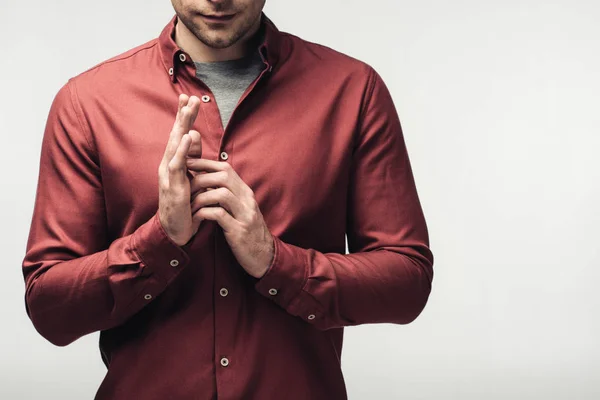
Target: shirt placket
[(228, 290), (227, 283)]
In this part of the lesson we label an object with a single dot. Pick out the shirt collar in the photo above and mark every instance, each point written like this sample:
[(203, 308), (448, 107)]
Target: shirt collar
[(170, 52)]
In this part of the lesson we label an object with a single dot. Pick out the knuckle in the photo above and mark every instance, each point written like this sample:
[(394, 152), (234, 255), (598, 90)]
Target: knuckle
[(253, 215), (172, 166), (163, 185), (222, 192), (245, 228), (222, 177), (227, 167)]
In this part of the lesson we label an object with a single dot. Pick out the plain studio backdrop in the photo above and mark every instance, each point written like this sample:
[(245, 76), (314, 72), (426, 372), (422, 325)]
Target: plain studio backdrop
[(499, 102)]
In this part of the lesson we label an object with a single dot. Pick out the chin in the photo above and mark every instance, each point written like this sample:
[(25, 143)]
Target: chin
[(217, 40)]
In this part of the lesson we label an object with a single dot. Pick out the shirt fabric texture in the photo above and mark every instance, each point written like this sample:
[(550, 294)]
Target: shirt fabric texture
[(317, 138)]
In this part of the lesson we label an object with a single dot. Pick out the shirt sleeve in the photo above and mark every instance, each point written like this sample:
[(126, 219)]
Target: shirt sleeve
[(75, 281), (388, 274)]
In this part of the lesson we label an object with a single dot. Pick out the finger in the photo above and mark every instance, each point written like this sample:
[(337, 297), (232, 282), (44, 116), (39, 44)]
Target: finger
[(187, 118), (182, 125), (221, 197), (183, 100), (204, 181), (177, 169), (196, 148), (218, 214), (175, 135), (195, 108), (197, 191), (233, 182), (204, 164)]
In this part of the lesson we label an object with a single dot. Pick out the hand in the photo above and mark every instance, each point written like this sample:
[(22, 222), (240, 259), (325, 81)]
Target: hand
[(174, 182), (232, 205)]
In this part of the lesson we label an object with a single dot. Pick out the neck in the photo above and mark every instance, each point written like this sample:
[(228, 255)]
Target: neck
[(200, 52)]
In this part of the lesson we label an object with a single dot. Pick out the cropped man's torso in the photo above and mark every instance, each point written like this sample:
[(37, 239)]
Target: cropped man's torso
[(290, 139)]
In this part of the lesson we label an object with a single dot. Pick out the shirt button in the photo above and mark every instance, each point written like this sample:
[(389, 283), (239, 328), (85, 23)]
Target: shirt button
[(311, 316), (224, 155), (205, 98), (224, 292), (182, 57), (224, 362), (272, 292), (174, 263), (170, 71), (148, 296)]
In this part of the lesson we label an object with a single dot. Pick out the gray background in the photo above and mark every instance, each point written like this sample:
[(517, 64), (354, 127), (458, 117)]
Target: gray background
[(500, 106)]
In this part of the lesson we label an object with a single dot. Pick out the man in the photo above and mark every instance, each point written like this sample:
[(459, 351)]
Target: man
[(193, 199)]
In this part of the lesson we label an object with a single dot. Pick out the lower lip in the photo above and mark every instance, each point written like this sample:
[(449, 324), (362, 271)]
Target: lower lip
[(218, 19)]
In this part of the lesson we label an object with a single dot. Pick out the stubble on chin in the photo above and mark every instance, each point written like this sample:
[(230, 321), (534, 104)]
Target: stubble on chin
[(218, 38)]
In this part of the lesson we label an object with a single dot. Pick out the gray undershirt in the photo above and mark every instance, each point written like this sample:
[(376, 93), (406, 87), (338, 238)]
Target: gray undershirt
[(228, 80)]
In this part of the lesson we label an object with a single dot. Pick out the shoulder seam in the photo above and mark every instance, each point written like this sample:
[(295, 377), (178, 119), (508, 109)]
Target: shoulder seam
[(150, 44), (77, 108)]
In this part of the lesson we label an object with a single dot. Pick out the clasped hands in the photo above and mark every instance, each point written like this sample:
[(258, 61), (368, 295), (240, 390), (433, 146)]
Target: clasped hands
[(193, 189)]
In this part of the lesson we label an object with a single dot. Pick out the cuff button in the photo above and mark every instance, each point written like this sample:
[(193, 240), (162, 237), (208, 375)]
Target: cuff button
[(311, 316), (272, 292), (174, 263)]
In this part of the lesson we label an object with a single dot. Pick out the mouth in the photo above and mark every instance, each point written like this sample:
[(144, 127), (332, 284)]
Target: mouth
[(217, 18)]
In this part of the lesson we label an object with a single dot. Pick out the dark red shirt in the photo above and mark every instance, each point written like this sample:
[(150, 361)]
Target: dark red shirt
[(316, 137)]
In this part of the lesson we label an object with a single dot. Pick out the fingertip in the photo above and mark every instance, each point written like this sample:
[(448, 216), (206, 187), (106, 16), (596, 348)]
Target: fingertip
[(194, 134), (183, 99)]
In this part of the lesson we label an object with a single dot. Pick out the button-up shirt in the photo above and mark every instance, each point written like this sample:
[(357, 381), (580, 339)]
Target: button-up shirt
[(318, 140)]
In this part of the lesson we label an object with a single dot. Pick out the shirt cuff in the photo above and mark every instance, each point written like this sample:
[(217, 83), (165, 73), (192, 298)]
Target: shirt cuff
[(161, 256), (286, 275)]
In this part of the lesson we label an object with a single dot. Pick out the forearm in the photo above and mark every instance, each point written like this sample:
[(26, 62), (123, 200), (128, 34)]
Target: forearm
[(382, 285)]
